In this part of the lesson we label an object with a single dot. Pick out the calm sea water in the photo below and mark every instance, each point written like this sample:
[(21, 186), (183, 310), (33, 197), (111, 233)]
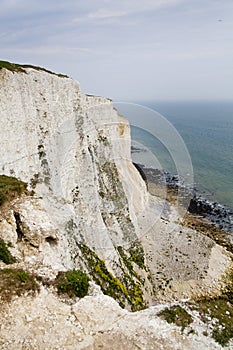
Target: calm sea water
[(207, 130)]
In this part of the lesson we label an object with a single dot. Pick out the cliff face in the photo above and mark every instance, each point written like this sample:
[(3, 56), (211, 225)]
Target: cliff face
[(90, 206), (74, 151), (53, 134)]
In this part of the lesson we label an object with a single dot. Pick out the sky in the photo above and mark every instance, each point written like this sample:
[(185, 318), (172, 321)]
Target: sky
[(127, 50)]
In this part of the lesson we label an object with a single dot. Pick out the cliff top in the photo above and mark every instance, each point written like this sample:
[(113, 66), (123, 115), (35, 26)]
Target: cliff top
[(13, 67)]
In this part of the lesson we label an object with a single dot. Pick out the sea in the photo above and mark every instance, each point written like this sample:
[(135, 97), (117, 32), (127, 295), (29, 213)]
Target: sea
[(205, 128)]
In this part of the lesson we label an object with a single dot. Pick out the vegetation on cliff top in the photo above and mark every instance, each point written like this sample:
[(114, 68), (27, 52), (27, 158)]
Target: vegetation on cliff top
[(20, 68)]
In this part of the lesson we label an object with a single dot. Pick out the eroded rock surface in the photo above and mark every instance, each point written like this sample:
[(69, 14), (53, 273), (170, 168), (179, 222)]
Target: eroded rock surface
[(94, 322)]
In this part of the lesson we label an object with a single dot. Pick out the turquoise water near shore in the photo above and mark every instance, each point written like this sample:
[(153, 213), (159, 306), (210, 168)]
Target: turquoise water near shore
[(207, 130)]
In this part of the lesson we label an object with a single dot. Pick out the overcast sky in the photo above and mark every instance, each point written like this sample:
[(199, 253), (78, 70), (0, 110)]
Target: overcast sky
[(126, 49)]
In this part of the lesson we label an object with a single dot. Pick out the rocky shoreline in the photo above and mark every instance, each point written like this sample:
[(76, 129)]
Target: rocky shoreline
[(216, 213)]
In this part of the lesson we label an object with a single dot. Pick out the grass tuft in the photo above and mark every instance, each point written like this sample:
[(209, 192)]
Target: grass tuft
[(16, 282), (177, 315)]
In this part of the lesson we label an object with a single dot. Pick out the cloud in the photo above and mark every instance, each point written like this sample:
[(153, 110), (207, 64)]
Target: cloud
[(22, 9), (109, 11), (106, 14), (102, 16), (132, 6), (48, 51), (12, 8), (110, 45)]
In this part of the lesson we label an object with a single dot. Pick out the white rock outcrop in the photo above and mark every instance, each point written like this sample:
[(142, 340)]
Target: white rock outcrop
[(95, 322)]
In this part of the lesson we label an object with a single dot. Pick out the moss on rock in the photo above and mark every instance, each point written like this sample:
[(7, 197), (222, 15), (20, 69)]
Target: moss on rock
[(125, 290), (5, 254)]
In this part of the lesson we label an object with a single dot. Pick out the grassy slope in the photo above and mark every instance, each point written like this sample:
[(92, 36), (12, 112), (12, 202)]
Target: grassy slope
[(13, 67)]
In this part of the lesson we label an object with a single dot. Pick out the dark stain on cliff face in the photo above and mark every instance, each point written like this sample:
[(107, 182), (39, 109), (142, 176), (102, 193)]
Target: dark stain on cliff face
[(44, 164), (19, 230)]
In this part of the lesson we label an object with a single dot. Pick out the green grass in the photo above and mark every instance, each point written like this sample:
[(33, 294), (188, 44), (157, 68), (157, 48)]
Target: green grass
[(73, 283), (177, 315), (221, 310), (16, 282), (13, 67), (10, 187), (5, 254)]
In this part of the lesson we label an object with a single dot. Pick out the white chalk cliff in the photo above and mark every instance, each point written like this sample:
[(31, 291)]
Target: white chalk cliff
[(91, 206)]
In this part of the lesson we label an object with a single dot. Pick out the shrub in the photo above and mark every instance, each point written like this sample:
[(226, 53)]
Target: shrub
[(16, 282), (73, 283), (10, 187), (5, 254)]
